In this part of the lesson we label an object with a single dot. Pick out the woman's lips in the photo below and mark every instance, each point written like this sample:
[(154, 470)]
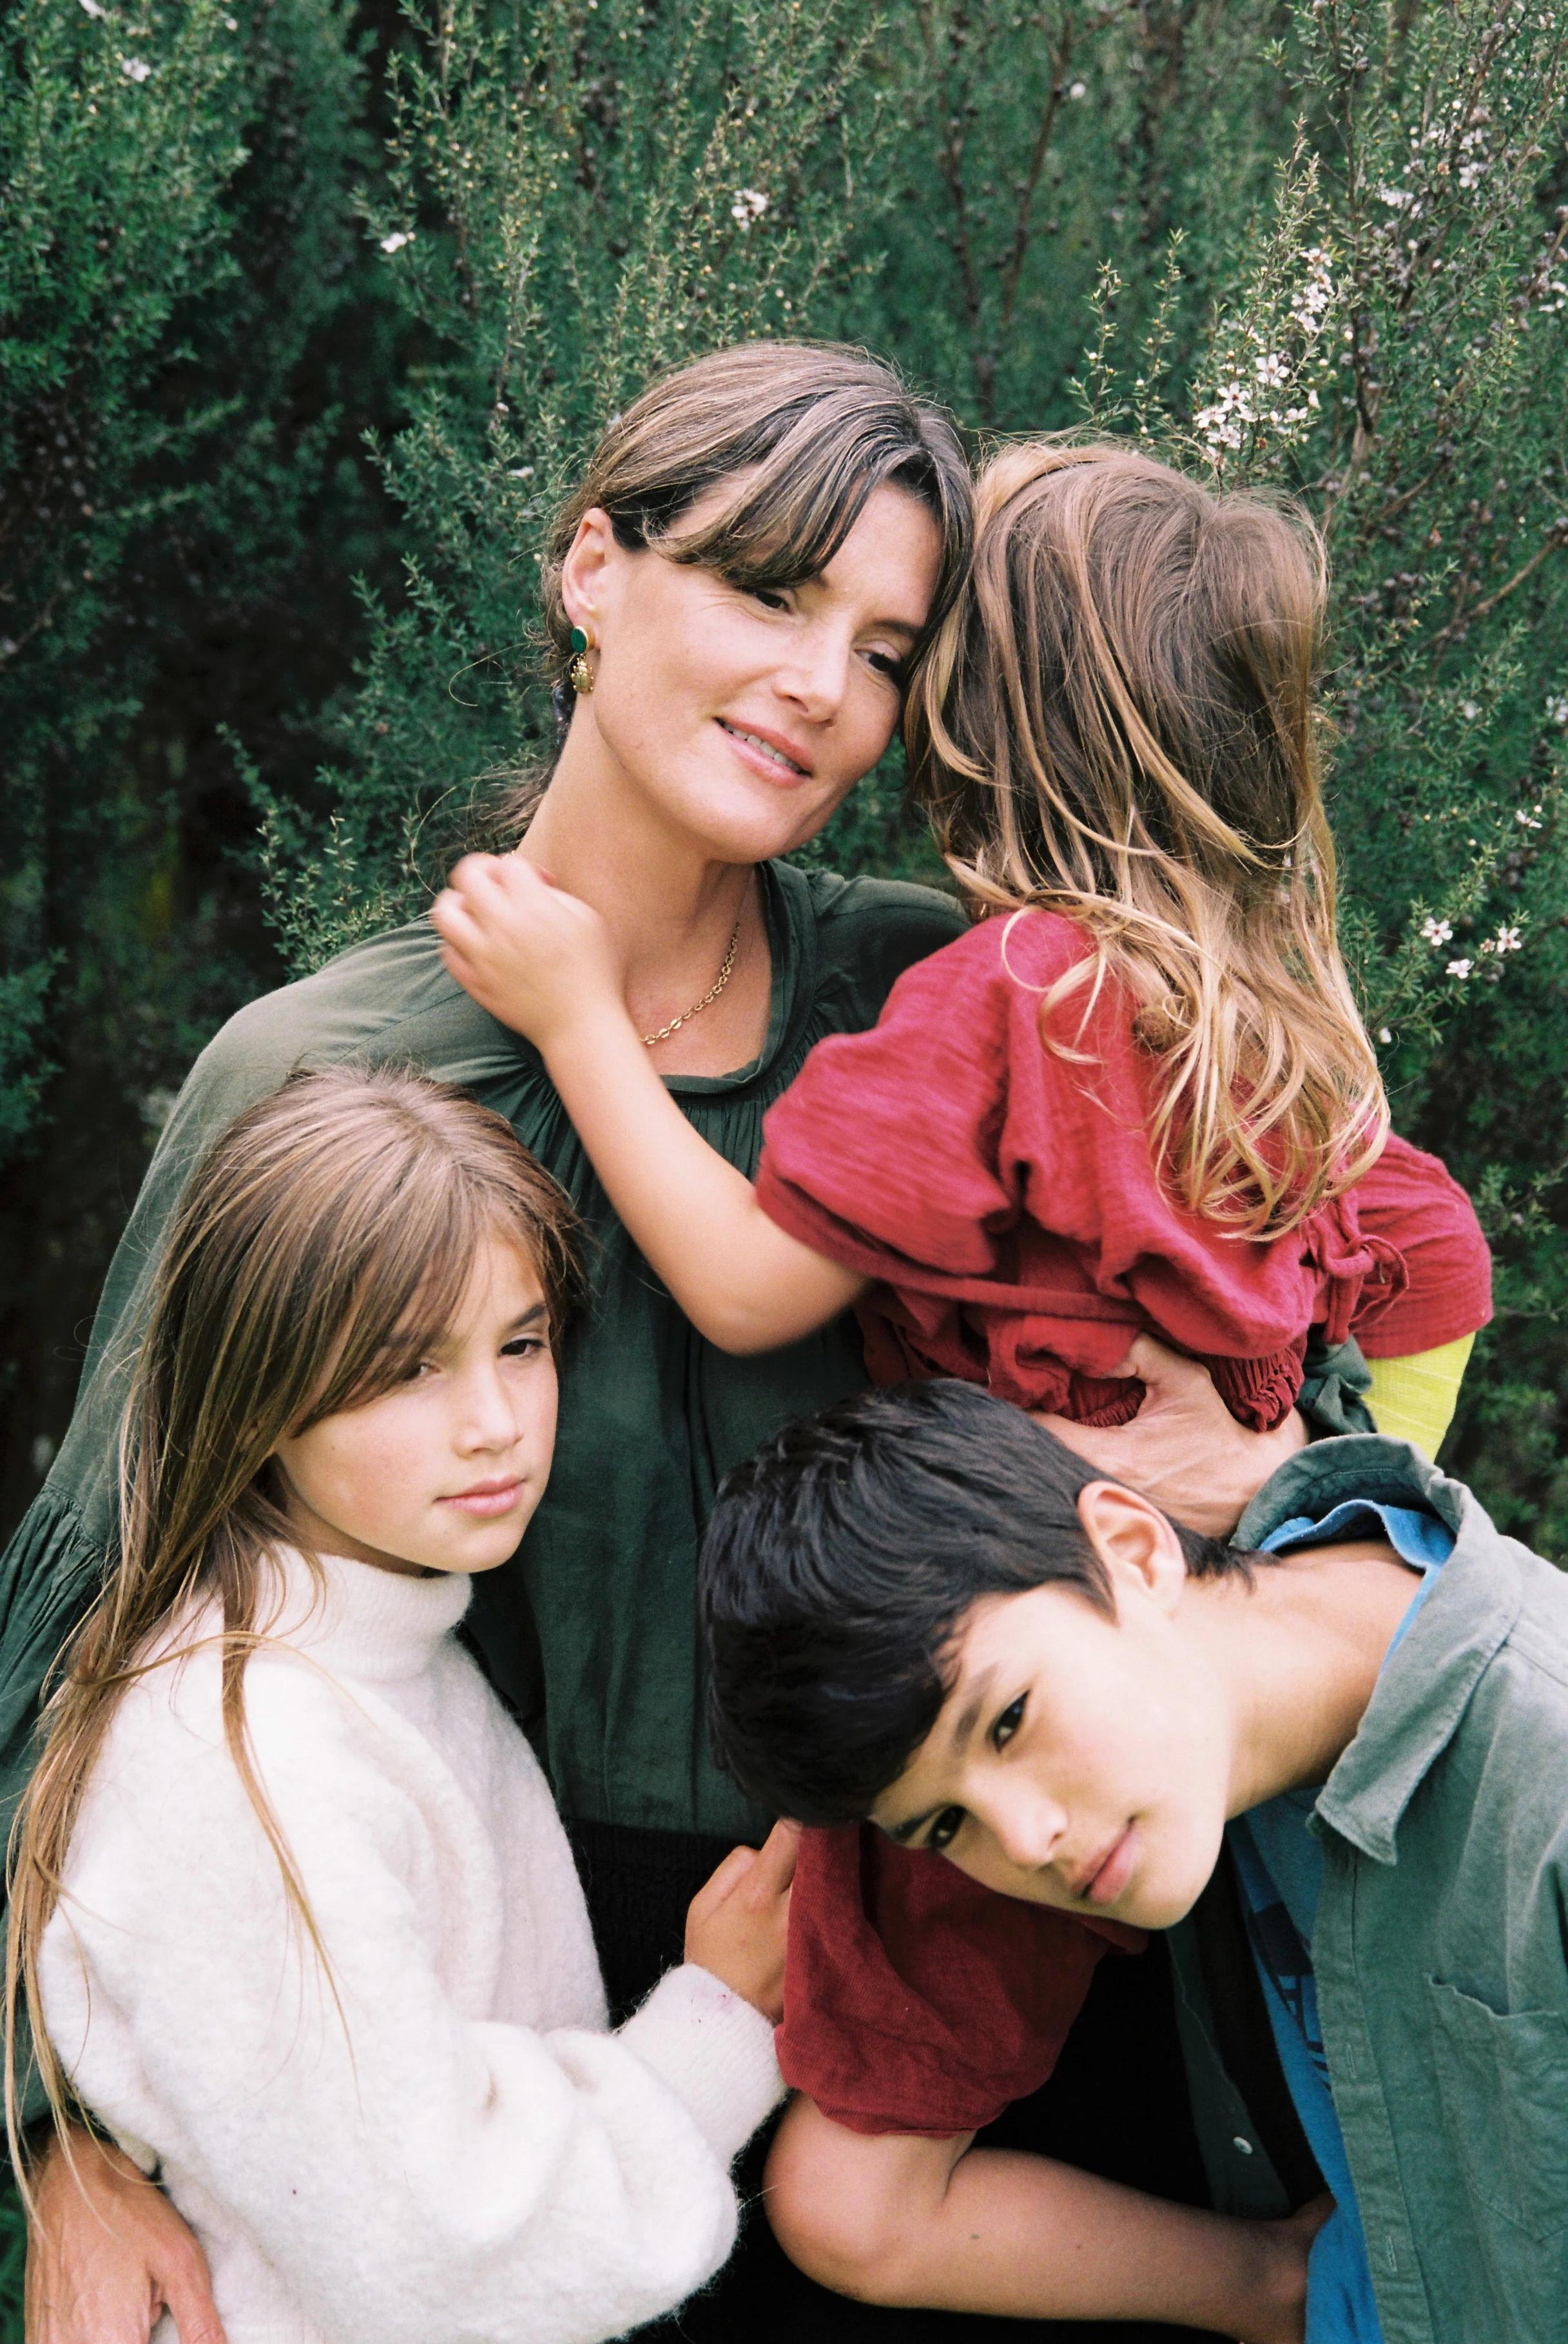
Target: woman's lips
[(762, 761), (487, 1498), (1114, 1871)]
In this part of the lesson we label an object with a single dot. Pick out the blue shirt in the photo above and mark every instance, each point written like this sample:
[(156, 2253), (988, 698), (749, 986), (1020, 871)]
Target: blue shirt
[(1280, 1866)]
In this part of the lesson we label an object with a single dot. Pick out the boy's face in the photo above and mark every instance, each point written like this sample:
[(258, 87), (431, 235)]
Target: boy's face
[(1080, 1759)]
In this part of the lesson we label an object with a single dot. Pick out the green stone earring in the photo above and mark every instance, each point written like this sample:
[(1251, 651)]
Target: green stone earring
[(581, 674)]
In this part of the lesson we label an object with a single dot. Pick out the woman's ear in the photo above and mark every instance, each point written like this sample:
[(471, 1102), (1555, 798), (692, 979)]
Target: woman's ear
[(1135, 1541), (582, 573)]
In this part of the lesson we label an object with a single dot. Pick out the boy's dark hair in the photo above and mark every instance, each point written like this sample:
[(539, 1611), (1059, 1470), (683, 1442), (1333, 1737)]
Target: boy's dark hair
[(842, 1558)]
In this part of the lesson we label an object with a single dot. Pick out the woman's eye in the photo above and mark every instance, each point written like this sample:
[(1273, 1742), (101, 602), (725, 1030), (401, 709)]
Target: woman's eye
[(1008, 1724), (944, 1830), (889, 663), (523, 1346), (770, 596), (419, 1372)]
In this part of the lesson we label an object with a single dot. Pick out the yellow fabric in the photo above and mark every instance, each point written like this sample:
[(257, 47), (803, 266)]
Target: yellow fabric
[(1414, 1399)]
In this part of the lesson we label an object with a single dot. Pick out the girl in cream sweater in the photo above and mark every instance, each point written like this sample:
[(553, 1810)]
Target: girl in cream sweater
[(293, 1916)]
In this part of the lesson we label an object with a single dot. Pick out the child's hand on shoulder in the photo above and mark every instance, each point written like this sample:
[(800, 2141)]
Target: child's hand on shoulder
[(534, 956), (736, 1924)]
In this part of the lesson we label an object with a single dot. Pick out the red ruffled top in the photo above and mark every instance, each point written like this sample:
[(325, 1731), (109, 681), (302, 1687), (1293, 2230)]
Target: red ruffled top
[(1002, 1199)]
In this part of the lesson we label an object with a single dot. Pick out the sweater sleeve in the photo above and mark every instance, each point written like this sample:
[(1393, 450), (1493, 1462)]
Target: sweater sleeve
[(415, 2173)]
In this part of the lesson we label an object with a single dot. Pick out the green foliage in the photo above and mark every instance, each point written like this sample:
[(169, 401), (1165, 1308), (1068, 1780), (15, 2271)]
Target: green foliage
[(185, 297), (116, 145), (575, 199), (13, 2258), (1039, 147)]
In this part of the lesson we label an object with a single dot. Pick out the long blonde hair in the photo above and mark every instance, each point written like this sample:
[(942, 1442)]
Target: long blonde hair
[(320, 1246), (1116, 722)]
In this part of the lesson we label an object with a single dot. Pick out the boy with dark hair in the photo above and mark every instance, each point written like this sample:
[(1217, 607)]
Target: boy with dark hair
[(1336, 1747)]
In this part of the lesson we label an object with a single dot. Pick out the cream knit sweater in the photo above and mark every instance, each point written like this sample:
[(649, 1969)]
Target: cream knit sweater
[(450, 2147)]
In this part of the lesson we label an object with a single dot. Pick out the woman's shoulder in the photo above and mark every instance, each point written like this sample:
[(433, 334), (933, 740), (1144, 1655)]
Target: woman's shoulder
[(388, 996), (868, 931)]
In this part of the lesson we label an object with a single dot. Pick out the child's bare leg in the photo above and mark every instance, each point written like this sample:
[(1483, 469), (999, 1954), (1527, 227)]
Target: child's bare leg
[(895, 2219)]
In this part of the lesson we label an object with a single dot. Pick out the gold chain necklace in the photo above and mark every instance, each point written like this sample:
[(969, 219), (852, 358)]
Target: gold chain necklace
[(712, 994)]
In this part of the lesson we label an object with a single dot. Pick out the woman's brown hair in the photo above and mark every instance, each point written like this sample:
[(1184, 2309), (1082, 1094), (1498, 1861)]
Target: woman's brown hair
[(1116, 722), (807, 432), (320, 1248)]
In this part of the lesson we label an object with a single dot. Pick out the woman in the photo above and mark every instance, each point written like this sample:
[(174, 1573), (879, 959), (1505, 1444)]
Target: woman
[(737, 593)]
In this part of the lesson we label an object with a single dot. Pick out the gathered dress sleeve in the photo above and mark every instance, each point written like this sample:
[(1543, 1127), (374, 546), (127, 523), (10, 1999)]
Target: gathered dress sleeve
[(917, 2001), (1412, 1202)]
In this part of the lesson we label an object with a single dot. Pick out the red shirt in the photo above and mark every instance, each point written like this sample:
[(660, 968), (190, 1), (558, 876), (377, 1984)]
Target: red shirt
[(1002, 1197)]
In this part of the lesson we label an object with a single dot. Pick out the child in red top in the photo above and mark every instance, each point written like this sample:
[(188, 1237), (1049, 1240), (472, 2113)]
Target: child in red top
[(1136, 1098)]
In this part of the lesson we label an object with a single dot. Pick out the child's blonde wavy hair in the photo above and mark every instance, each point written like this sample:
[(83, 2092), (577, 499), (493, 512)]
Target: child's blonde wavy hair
[(1116, 722)]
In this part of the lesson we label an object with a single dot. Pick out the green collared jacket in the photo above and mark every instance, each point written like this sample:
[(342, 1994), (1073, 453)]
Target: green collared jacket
[(1441, 1944)]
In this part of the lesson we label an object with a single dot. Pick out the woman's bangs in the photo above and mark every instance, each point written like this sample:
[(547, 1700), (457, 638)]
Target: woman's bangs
[(786, 524)]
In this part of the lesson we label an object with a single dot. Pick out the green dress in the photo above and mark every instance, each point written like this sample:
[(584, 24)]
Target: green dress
[(589, 1632)]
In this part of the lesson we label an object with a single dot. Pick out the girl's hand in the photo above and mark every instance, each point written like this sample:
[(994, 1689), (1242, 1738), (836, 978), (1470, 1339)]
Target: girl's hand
[(736, 1924), (534, 956)]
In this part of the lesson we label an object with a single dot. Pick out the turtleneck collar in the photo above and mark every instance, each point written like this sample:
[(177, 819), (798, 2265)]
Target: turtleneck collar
[(383, 1625)]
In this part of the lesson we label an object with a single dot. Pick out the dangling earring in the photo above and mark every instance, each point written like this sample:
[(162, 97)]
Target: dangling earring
[(579, 672)]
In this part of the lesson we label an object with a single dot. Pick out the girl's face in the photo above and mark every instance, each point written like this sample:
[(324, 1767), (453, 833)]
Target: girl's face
[(743, 719), (443, 1471)]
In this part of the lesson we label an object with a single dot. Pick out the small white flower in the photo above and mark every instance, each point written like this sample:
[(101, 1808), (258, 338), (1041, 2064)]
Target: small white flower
[(1400, 198), (1557, 708), (523, 472), (1078, 89), (135, 68), (1459, 968), (396, 241), (1384, 1035), (750, 204), (1506, 940), (1436, 932), (1526, 821), (1469, 708), (91, 8), (1271, 370)]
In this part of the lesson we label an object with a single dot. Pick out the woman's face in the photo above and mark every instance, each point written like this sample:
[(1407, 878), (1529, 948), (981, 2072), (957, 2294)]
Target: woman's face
[(742, 717)]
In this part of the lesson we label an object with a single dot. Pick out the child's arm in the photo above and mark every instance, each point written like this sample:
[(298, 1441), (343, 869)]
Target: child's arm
[(897, 2219), (543, 964)]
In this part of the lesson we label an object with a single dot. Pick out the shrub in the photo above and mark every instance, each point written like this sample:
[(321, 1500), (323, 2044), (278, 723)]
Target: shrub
[(575, 199), (190, 318)]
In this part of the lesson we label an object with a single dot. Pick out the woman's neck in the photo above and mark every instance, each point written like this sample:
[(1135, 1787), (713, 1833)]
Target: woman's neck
[(672, 907)]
